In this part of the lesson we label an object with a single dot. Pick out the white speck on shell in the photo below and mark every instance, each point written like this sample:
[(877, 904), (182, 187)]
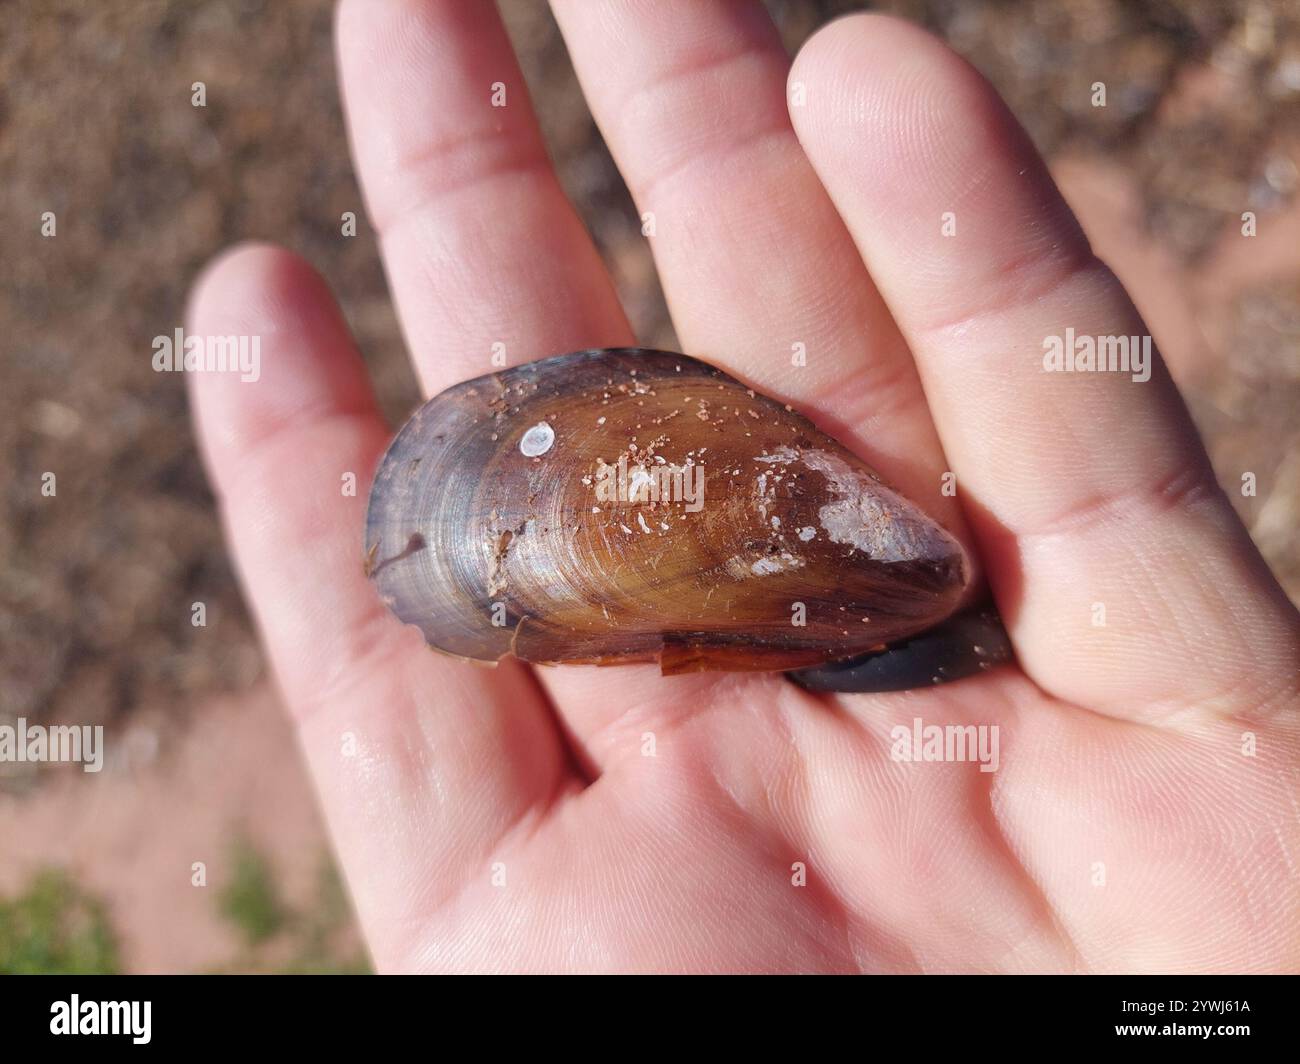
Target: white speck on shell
[(776, 563), (537, 440)]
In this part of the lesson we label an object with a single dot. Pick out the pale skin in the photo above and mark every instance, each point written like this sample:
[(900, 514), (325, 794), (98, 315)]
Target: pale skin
[(1145, 812)]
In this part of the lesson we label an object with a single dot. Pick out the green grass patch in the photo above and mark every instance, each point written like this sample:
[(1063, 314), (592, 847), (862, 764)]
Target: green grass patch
[(55, 927), (278, 938), (250, 900)]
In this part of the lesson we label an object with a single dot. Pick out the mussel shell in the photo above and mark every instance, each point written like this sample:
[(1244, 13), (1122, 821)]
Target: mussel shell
[(486, 527), (966, 644)]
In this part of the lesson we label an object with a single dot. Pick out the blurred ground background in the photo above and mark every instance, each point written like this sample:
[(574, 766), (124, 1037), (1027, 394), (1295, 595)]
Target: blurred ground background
[(96, 125)]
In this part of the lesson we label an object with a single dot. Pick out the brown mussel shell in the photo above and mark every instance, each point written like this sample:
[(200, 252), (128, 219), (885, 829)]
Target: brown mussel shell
[(624, 505)]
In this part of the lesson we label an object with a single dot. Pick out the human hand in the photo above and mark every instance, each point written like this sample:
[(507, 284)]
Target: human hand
[(508, 819)]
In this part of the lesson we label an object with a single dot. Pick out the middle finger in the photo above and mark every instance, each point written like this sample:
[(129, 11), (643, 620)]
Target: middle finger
[(757, 266)]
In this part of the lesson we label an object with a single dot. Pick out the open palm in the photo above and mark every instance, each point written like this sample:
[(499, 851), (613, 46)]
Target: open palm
[(877, 205)]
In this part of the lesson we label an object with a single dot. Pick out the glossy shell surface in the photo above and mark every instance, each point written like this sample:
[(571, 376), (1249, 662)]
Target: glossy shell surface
[(630, 505)]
